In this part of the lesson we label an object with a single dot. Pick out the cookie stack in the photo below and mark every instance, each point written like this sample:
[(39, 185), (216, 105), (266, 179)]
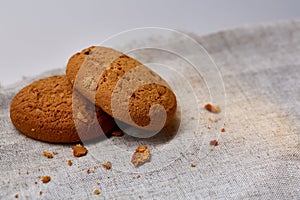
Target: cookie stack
[(100, 85)]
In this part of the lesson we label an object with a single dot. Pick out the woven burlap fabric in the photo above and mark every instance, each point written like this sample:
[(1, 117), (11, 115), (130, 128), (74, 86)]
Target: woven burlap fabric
[(258, 156)]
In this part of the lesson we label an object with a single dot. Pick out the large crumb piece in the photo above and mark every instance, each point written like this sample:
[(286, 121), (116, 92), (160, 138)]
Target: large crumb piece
[(79, 150), (107, 165), (70, 162), (47, 154), (96, 192), (140, 156), (212, 108), (214, 143), (46, 179)]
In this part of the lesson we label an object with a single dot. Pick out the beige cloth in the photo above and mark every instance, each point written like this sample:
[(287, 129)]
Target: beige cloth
[(258, 156)]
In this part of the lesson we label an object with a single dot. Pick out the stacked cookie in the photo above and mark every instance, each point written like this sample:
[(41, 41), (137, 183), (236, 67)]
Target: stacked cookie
[(100, 84)]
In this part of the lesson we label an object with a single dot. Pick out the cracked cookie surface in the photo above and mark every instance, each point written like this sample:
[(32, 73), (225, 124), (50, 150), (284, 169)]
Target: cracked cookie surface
[(122, 86), (49, 110)]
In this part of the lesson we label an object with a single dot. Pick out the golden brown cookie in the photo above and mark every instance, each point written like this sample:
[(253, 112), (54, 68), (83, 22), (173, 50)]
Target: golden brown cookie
[(122, 87), (43, 110)]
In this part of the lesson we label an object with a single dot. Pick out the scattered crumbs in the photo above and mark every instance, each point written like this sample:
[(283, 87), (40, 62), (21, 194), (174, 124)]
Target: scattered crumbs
[(212, 108), (96, 192), (193, 165), (16, 196), (117, 133), (140, 156), (214, 143), (39, 169), (39, 177), (97, 183), (35, 182), (47, 154), (208, 127), (27, 172), (70, 162), (55, 152), (214, 120), (25, 137), (95, 167), (138, 176), (223, 130), (88, 171), (46, 179), (79, 150), (41, 192), (107, 165)]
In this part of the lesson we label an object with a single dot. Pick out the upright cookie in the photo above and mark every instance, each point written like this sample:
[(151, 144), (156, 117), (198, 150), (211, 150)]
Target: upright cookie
[(44, 111), (122, 87)]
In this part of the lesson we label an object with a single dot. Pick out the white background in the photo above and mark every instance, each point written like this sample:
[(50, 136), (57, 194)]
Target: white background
[(37, 35)]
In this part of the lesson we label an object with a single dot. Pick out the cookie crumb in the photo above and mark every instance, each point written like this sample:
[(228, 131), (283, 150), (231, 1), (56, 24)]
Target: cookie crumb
[(55, 152), (107, 165), (140, 156), (212, 108), (41, 192), (117, 133), (27, 172), (46, 179), (88, 171), (214, 120), (193, 165), (214, 143), (95, 167), (47, 154), (223, 130), (16, 196), (138, 176), (70, 162), (79, 150), (96, 192), (97, 183), (35, 182)]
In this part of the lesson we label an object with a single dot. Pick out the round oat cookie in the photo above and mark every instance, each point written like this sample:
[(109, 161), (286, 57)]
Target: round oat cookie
[(122, 87), (43, 111)]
